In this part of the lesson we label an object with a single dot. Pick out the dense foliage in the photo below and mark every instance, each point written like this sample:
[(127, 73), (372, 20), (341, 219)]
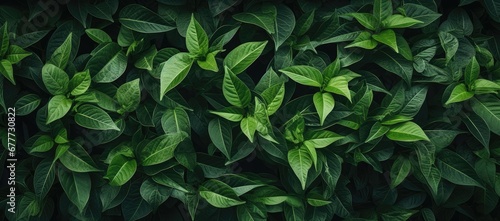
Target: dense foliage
[(251, 110)]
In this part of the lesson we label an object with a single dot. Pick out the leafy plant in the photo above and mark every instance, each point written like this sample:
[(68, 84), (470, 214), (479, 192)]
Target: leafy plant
[(251, 110)]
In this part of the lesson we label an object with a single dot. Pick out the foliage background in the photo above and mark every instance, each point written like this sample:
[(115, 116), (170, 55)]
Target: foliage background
[(252, 110)]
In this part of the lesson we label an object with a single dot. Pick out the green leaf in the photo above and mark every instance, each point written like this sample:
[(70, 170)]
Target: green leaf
[(305, 75), (284, 24), (483, 86), (400, 214), (251, 212), (367, 20), (108, 63), (263, 17), (120, 170), (16, 54), (61, 55), (79, 83), (387, 37), (161, 148), (414, 98), (421, 13), (128, 95), (406, 132), (146, 59), (76, 186), (104, 10), (42, 144), (382, 9), (4, 39), (456, 169), (210, 63), (493, 9), (221, 135), (339, 85), (399, 21), (399, 170), (27, 104), (248, 126), (396, 119), (274, 96), (304, 23), (77, 159), (134, 206), (471, 72), (235, 91), (58, 107), (7, 71), (488, 108), (234, 114), (55, 79), (478, 128), (196, 38), (139, 18), (449, 43), (324, 103), (154, 193), (173, 71), (44, 177), (171, 179), (459, 94), (396, 64), (98, 35), (376, 131), (320, 139), (300, 160), (92, 117), (241, 57), (175, 121), (219, 194)]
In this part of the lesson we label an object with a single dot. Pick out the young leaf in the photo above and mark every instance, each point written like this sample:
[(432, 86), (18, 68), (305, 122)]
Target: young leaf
[(234, 90), (55, 79), (219, 194), (459, 94), (305, 75), (377, 131), (300, 160), (175, 121), (339, 85), (173, 71), (320, 139), (146, 59), (243, 56), (234, 114), (79, 83), (161, 148), (120, 170), (406, 132), (139, 18), (324, 103), (16, 54), (274, 97), (92, 117), (7, 71), (210, 63), (387, 37), (42, 144), (58, 107), (76, 186), (248, 126), (196, 38)]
